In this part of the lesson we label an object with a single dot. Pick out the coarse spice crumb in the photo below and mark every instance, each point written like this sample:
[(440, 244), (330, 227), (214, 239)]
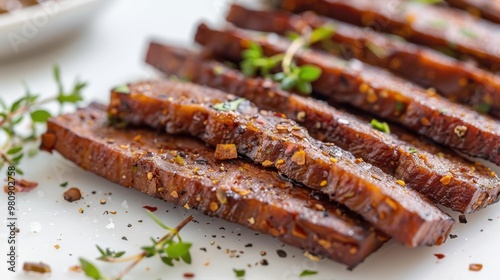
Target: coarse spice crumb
[(281, 253), (462, 219)]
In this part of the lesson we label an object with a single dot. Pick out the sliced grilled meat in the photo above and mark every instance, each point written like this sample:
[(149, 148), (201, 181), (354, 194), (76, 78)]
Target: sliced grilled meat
[(273, 141), (376, 91), (424, 166), (438, 27), (488, 9), (184, 171), (451, 78)]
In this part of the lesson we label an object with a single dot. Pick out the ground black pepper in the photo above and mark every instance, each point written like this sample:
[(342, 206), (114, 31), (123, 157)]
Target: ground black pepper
[(281, 253)]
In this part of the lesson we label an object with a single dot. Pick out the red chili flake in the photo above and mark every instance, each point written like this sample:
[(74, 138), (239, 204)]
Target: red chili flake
[(439, 256), (22, 185), (475, 267), (188, 275), (150, 208)]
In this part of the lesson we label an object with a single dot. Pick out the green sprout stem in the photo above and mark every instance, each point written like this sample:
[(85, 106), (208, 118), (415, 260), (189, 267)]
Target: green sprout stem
[(112, 257), (28, 107), (161, 243), (296, 45), (292, 76)]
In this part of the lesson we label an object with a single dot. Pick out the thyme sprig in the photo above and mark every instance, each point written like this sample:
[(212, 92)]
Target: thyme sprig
[(292, 76), (166, 248), (28, 107)]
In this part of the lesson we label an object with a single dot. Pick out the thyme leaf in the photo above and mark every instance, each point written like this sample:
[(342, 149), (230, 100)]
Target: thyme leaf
[(166, 248), (26, 109), (229, 105), (307, 272), (292, 76), (239, 272), (380, 126)]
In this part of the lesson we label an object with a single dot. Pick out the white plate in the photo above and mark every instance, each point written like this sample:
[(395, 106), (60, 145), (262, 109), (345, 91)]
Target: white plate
[(107, 56), (41, 25)]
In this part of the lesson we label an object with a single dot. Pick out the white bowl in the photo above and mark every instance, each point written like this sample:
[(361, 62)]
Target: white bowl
[(38, 26)]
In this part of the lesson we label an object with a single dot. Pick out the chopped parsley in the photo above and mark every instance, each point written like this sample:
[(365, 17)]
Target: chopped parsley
[(380, 126), (307, 272), (229, 105), (239, 272)]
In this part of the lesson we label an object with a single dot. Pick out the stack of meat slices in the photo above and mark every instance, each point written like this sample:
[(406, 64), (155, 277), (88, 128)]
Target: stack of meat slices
[(316, 175)]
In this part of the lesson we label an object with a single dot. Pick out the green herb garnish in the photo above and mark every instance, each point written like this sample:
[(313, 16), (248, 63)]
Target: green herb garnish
[(255, 61), (166, 248), (321, 33), (229, 105), (122, 89), (484, 107), (239, 272), (399, 106), (438, 23), (307, 272), (27, 109), (90, 270), (292, 76), (299, 78), (290, 35), (64, 184), (469, 33), (412, 150), (380, 126)]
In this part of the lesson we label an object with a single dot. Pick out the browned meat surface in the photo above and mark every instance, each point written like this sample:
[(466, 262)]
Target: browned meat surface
[(488, 9), (434, 26), (275, 142), (183, 171), (375, 91), (451, 78), (422, 165)]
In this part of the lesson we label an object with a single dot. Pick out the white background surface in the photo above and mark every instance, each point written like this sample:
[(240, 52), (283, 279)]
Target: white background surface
[(110, 51)]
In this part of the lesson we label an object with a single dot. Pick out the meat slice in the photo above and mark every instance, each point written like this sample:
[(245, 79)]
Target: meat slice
[(184, 171), (488, 9), (275, 142), (421, 164), (451, 30), (451, 78), (375, 91)]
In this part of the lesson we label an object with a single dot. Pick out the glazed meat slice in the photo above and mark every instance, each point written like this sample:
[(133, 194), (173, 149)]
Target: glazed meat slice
[(267, 138), (451, 78), (375, 91), (488, 9), (422, 165), (450, 30), (184, 171)]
